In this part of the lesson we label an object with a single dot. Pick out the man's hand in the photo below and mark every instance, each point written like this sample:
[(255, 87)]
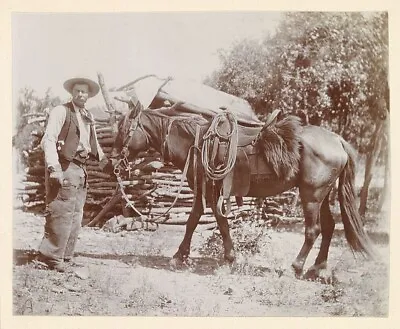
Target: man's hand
[(56, 177)]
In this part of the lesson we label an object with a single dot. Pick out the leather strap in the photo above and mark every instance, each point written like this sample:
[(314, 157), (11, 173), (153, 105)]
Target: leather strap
[(195, 150)]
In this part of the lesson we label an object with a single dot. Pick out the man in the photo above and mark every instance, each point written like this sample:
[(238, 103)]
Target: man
[(70, 139)]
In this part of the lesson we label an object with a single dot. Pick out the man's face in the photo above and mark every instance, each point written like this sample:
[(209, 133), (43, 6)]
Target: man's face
[(80, 94)]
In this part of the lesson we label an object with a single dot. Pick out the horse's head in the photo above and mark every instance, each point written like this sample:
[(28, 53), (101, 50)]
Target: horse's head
[(131, 138)]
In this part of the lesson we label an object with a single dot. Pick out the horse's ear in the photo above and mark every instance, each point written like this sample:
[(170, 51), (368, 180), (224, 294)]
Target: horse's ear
[(135, 109), (132, 114), (176, 105), (272, 118)]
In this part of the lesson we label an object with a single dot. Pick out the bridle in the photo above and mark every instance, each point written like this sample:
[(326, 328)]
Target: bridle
[(123, 162)]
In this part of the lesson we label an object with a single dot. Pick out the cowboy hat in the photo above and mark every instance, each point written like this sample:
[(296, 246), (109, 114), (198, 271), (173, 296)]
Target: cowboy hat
[(93, 86)]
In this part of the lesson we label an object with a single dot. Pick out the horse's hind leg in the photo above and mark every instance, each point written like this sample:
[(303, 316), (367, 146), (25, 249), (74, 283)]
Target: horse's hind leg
[(327, 228), (229, 253), (312, 229)]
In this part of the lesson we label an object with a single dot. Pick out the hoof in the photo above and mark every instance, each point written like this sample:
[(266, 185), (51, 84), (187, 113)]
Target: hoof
[(230, 257), (311, 274), (179, 262), (321, 275), (181, 255), (298, 270), (176, 263), (317, 272)]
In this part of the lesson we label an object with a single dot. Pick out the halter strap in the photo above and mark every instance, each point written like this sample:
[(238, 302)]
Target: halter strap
[(164, 146), (135, 123), (124, 153)]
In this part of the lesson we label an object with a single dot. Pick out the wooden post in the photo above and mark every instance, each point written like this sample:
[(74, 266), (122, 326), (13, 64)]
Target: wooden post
[(110, 204), (110, 106)]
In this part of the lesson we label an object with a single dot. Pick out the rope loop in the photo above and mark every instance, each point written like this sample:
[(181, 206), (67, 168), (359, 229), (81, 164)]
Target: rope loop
[(212, 139)]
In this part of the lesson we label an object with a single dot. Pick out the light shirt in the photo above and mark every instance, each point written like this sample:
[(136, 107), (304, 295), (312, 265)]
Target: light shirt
[(54, 125), (84, 128)]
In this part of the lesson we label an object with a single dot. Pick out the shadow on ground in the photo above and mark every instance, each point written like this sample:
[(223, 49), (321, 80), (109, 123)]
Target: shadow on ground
[(197, 265)]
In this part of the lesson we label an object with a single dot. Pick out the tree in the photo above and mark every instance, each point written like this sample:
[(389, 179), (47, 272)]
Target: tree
[(333, 67), (29, 106)]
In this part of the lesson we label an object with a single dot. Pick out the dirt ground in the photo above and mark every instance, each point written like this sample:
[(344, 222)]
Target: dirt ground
[(129, 273)]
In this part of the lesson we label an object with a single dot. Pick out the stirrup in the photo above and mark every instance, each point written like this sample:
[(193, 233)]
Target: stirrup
[(220, 205)]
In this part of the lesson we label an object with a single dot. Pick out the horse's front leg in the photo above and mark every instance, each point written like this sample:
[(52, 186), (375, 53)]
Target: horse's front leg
[(184, 248)]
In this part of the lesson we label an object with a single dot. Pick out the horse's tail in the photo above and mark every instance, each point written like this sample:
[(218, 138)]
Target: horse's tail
[(353, 225)]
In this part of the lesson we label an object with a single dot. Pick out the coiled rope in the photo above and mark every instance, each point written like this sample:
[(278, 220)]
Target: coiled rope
[(212, 140)]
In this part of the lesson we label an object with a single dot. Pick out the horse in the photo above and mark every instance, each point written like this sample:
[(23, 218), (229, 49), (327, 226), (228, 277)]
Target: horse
[(309, 157)]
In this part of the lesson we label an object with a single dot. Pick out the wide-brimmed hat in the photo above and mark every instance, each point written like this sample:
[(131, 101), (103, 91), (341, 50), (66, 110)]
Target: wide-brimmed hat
[(93, 86)]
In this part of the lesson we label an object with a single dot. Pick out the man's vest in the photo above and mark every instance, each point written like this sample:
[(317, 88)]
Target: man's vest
[(68, 139)]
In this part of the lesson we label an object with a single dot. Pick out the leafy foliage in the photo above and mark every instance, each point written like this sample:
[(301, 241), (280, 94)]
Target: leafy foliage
[(29, 104), (330, 67), (30, 110)]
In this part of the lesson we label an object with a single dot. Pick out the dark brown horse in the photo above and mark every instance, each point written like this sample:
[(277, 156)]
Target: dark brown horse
[(308, 157)]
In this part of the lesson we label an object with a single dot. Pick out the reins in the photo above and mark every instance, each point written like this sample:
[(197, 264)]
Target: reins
[(215, 171), (124, 160)]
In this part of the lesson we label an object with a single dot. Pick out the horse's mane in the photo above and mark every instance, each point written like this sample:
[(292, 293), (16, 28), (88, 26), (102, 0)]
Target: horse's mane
[(280, 144)]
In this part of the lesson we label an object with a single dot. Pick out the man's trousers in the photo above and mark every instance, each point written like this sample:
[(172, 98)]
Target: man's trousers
[(64, 212)]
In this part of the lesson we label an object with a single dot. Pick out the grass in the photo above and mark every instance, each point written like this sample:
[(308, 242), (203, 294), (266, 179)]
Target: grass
[(237, 290), (259, 283), (145, 298)]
